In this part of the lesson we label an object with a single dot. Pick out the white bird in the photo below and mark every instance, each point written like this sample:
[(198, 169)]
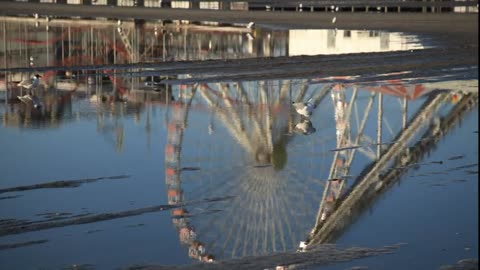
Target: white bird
[(35, 15), (30, 98), (305, 127), (26, 98), (304, 108), (302, 247), (33, 82), (90, 80), (250, 25), (334, 19), (336, 9)]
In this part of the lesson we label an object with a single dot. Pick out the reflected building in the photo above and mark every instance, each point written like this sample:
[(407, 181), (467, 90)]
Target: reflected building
[(63, 43), (333, 41)]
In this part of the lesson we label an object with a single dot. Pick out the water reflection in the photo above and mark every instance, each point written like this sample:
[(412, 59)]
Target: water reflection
[(245, 139), (99, 42), (288, 174), (272, 186)]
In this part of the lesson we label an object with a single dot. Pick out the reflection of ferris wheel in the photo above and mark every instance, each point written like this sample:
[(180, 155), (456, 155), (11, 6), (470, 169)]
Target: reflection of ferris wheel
[(247, 152), (251, 154)]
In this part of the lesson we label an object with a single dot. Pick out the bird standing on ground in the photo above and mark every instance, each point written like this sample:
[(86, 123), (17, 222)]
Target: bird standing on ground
[(304, 108)]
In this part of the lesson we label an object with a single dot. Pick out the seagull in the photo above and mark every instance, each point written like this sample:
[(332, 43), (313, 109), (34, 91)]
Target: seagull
[(334, 19), (250, 25), (30, 83), (26, 98), (154, 81), (305, 127), (31, 98), (302, 246), (304, 109)]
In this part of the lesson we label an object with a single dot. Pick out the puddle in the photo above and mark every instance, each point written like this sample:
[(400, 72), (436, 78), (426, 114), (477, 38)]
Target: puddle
[(219, 167)]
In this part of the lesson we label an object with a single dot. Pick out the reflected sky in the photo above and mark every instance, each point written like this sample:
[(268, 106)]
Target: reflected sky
[(202, 141)]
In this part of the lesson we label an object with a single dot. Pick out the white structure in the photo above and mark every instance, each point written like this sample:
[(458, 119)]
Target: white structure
[(314, 42)]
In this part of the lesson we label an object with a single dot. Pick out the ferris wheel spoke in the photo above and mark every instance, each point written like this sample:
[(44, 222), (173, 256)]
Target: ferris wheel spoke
[(273, 230), (225, 225), (236, 244), (301, 93), (265, 229), (282, 234), (249, 231), (283, 206), (285, 90)]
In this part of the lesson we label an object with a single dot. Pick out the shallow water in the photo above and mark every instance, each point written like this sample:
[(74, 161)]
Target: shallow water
[(232, 157)]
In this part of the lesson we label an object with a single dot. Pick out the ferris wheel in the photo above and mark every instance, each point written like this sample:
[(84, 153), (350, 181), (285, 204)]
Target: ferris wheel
[(251, 151)]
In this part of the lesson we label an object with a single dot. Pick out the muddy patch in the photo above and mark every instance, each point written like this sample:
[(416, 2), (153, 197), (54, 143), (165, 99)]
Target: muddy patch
[(22, 244), (62, 183)]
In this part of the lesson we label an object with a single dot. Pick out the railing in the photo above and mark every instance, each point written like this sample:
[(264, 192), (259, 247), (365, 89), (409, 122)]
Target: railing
[(460, 6)]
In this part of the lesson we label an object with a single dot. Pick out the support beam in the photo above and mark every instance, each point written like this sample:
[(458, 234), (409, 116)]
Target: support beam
[(379, 125)]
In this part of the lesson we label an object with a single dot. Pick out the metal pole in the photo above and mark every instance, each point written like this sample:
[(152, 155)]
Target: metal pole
[(63, 48), (185, 43), (114, 46), (5, 45), (5, 61), (69, 42), (114, 60), (27, 58), (91, 43), (163, 47), (48, 46), (379, 125), (405, 112)]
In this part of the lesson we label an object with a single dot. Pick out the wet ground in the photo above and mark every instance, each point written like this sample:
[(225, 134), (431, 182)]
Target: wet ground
[(196, 152)]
